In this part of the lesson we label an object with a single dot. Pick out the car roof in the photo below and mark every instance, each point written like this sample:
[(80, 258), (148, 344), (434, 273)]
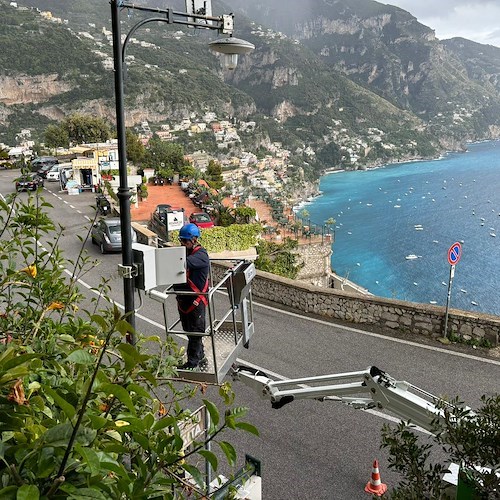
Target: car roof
[(111, 221)]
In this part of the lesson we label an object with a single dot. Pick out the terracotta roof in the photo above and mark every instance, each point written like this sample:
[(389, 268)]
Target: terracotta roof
[(173, 195)]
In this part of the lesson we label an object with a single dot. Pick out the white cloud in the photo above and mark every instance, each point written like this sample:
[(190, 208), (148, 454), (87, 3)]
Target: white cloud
[(476, 20)]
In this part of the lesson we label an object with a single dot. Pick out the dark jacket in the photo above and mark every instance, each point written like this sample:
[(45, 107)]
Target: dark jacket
[(198, 265)]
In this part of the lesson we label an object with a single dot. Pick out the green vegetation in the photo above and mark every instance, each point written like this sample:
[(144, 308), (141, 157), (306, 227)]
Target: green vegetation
[(83, 413), (164, 156), (213, 175), (135, 149), (469, 438), (20, 35), (77, 129), (235, 237), (278, 258)]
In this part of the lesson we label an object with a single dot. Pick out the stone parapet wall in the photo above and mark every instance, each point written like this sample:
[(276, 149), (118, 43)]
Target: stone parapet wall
[(316, 263), (387, 314)]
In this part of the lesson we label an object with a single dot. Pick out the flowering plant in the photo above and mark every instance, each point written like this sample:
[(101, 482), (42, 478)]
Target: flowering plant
[(83, 413)]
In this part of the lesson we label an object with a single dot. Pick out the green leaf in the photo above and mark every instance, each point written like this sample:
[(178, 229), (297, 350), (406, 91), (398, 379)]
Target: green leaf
[(98, 422), (46, 463), (229, 451), (97, 318), (149, 377), (14, 374), (213, 411), (247, 427), (163, 422), (86, 494), (230, 421), (123, 327), (210, 457), (139, 390), (67, 338), (8, 493), (90, 458), (195, 473), (18, 360), (59, 435), (28, 492), (119, 392), (66, 407), (130, 355), (81, 357)]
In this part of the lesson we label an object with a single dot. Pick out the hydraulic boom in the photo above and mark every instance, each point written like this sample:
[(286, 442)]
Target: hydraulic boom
[(370, 388)]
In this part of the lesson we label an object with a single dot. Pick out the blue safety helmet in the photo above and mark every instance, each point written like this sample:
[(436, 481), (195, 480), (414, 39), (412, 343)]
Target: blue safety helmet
[(189, 231)]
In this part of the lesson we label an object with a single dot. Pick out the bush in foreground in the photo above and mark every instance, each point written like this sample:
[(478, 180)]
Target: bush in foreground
[(84, 414)]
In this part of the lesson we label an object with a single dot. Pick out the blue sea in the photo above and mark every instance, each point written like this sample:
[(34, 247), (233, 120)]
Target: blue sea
[(420, 208)]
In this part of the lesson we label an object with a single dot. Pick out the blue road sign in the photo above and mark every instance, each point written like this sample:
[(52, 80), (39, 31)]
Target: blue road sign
[(454, 253)]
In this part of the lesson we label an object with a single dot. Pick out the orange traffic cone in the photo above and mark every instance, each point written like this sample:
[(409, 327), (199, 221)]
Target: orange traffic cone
[(374, 485)]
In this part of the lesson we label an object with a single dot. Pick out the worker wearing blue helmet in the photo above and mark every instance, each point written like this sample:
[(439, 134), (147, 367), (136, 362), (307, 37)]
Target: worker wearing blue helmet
[(191, 306)]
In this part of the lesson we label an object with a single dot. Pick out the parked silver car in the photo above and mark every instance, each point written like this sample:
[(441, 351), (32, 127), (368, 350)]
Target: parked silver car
[(107, 234)]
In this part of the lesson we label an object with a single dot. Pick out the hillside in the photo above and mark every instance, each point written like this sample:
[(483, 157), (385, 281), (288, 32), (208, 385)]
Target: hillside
[(452, 85), (342, 83)]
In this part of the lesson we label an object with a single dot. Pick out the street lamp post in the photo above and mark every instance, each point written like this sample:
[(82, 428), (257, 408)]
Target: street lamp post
[(230, 47)]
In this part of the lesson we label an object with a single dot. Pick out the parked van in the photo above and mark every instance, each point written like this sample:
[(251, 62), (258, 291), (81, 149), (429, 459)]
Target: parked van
[(54, 174)]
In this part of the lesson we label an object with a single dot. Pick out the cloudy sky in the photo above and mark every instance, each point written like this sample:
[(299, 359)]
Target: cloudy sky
[(477, 20)]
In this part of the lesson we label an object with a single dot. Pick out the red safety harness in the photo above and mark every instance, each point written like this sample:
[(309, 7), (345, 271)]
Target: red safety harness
[(199, 298)]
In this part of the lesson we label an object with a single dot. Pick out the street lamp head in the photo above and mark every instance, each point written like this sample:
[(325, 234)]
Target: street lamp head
[(231, 48)]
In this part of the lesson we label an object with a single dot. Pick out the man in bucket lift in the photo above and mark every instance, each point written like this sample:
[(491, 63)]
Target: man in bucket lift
[(191, 306)]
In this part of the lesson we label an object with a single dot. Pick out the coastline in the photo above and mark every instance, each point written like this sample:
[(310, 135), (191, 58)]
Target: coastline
[(306, 200), (466, 210), (300, 204)]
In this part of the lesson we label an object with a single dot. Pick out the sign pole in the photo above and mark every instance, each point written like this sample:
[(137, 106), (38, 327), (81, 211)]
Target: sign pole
[(450, 282), (454, 254)]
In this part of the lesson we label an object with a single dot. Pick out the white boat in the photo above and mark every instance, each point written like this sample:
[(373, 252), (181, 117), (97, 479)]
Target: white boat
[(411, 257), (433, 302), (493, 234), (463, 291), (435, 241), (474, 303), (397, 206)]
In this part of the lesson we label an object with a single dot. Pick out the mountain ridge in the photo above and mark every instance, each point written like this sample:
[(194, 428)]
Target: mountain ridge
[(356, 81)]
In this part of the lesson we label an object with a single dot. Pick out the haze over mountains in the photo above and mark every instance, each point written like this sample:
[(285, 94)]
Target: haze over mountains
[(355, 81)]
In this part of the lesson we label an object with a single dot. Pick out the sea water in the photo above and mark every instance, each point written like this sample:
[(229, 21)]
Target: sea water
[(420, 208)]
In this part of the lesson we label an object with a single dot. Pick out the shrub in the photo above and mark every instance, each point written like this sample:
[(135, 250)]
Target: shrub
[(234, 237), (84, 414)]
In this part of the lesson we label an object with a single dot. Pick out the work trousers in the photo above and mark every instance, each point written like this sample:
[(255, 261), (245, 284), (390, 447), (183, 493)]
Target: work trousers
[(194, 321)]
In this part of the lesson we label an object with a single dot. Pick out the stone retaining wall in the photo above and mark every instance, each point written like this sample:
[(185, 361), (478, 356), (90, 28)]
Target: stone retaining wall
[(387, 314)]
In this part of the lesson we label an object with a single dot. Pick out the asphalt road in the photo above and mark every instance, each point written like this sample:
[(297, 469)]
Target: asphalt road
[(308, 449)]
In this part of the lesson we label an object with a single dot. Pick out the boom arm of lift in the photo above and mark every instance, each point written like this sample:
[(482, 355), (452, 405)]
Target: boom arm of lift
[(366, 389)]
